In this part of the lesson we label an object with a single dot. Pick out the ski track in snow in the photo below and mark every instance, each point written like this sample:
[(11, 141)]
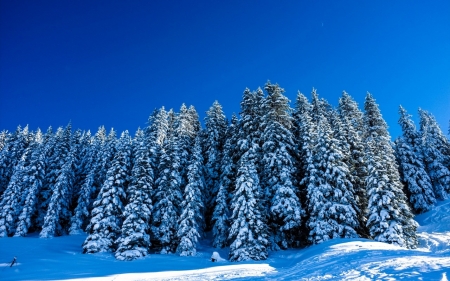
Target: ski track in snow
[(339, 259)]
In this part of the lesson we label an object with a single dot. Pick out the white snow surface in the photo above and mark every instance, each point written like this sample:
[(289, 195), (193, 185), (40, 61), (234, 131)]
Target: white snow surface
[(60, 258)]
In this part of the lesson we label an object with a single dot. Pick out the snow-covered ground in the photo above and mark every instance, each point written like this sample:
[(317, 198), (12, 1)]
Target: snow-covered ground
[(341, 259)]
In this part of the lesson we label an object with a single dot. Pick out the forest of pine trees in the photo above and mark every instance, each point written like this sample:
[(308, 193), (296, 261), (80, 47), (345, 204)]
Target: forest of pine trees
[(273, 178)]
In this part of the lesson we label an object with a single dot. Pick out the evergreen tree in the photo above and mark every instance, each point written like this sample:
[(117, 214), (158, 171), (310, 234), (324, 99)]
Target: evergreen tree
[(33, 177), (186, 133), (331, 201), (4, 136), (248, 232), (304, 136), (416, 180), (11, 154), (106, 217), (91, 183), (135, 239), (54, 157), (221, 215), (216, 126), (390, 219), (168, 195), (57, 214), (192, 207), (284, 209), (433, 146), (11, 199), (412, 169), (352, 128)]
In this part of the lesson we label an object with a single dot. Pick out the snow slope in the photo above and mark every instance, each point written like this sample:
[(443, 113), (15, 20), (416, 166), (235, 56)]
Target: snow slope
[(341, 259)]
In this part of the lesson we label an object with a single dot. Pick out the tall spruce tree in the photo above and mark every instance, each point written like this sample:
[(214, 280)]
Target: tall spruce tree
[(248, 231), (216, 126), (332, 205), (190, 221), (412, 169), (11, 154), (168, 196), (58, 215), (390, 219), (106, 217), (135, 239), (90, 184), (221, 215), (11, 199), (33, 177), (433, 146), (353, 129), (278, 169)]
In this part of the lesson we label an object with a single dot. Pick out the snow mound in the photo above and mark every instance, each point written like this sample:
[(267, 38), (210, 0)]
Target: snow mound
[(213, 273)]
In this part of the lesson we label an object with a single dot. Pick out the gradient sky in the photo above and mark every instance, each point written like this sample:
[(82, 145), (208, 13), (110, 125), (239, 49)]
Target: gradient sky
[(112, 62)]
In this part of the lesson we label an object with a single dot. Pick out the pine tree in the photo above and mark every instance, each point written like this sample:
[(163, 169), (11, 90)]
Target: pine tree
[(192, 207), (106, 217), (57, 215), (11, 199), (221, 215), (304, 136), (168, 197), (216, 125), (248, 232), (331, 200), (278, 169), (412, 169), (4, 136), (54, 152), (33, 178), (390, 219), (432, 146), (11, 154), (417, 181), (353, 129), (135, 239), (186, 132), (90, 184)]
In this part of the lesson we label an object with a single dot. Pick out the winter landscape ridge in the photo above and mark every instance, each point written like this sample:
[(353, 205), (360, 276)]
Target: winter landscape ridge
[(310, 193)]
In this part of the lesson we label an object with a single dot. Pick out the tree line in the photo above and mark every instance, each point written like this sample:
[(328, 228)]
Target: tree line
[(273, 178)]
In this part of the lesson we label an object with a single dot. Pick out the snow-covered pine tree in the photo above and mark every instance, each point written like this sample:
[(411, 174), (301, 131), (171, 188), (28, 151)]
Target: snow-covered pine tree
[(168, 196), (81, 146), (432, 147), (186, 133), (91, 184), (33, 177), (11, 198), (413, 175), (332, 205), (58, 215), (278, 168), (248, 231), (412, 169), (353, 128), (156, 133), (135, 239), (4, 135), (221, 215), (11, 154), (216, 126), (106, 217), (190, 221), (53, 151), (304, 136), (390, 219)]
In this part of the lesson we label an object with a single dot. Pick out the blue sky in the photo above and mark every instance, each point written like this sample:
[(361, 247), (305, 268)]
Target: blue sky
[(112, 62)]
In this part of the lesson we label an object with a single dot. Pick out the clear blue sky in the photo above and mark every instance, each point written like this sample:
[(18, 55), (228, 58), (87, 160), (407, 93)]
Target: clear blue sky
[(112, 62)]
